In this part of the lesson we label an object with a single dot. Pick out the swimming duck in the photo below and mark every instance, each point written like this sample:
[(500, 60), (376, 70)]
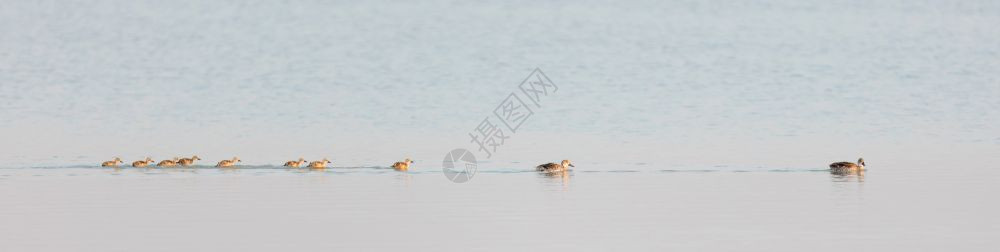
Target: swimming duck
[(402, 166), (114, 162), (168, 163), (552, 167), (319, 164), (228, 163), (188, 161), (848, 166), (142, 163), (294, 163)]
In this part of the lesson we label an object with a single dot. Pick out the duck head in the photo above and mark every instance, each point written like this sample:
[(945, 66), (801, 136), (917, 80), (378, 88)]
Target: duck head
[(567, 163)]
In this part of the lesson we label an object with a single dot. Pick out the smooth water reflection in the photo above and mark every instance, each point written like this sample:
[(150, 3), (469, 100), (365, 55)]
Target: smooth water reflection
[(848, 176), (352, 208), (560, 179)]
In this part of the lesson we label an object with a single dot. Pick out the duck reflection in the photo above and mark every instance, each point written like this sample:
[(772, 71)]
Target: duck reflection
[(847, 176), (560, 178)]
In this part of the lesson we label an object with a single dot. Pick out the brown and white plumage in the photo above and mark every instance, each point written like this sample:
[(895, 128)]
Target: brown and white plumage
[(294, 163), (168, 163), (114, 162), (228, 163), (848, 166), (402, 166), (319, 164), (188, 161), (142, 163), (553, 167)]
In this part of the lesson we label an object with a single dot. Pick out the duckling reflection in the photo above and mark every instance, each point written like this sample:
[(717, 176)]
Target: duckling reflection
[(177, 170), (405, 178), (229, 170)]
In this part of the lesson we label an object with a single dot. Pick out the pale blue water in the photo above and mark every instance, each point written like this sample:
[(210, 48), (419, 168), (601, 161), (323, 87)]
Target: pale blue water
[(693, 124)]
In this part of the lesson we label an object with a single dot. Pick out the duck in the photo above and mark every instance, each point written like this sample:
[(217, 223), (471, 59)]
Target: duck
[(553, 167), (848, 166), (188, 161), (294, 163), (228, 163), (168, 163), (403, 166), (319, 164), (114, 162), (142, 163)]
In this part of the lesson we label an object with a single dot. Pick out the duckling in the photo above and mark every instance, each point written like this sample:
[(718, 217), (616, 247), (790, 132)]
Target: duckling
[(114, 162), (552, 167), (848, 166), (142, 163), (294, 163), (319, 164), (228, 163), (403, 166), (188, 161), (168, 163)]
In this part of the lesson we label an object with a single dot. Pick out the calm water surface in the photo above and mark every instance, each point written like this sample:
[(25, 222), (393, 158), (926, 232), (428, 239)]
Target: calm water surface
[(273, 208), (697, 125)]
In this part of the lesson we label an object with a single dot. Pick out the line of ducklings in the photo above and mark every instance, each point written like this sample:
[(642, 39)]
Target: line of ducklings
[(405, 164), (400, 166), (169, 163)]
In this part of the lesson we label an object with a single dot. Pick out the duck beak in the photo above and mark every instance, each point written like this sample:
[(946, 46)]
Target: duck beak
[(571, 165)]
